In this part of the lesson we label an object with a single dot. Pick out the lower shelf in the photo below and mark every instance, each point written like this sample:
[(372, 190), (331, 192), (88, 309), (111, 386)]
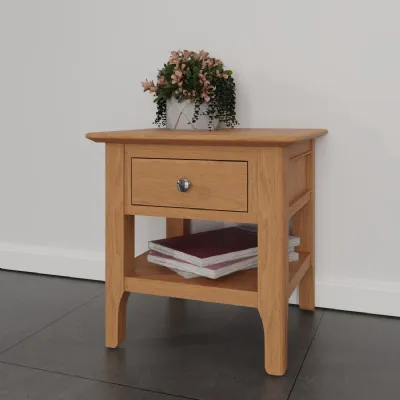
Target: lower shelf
[(239, 288)]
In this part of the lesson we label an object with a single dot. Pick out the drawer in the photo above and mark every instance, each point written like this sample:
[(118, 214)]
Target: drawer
[(214, 185)]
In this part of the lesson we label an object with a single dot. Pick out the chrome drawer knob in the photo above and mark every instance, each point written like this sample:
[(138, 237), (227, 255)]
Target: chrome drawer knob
[(183, 185)]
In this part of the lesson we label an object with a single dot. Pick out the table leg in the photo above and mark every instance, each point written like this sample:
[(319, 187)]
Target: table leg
[(303, 226), (119, 246), (177, 227), (273, 256)]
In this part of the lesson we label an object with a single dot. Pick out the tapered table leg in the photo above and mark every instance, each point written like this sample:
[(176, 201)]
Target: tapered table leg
[(273, 255), (119, 246)]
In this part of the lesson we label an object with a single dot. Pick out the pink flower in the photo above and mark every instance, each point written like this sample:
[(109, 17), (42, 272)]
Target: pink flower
[(186, 55), (153, 89), (203, 54), (176, 76), (225, 75), (174, 58), (205, 95), (202, 77), (147, 85)]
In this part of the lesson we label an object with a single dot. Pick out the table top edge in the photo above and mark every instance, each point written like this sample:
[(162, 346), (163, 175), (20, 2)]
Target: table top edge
[(232, 137)]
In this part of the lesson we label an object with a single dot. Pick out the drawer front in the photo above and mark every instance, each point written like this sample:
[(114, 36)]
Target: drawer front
[(214, 185)]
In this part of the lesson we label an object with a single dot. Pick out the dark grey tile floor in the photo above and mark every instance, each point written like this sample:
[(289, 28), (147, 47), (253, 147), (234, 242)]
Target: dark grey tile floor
[(52, 347)]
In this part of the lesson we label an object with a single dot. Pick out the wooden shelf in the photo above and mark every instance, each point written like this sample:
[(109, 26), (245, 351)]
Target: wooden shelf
[(239, 288)]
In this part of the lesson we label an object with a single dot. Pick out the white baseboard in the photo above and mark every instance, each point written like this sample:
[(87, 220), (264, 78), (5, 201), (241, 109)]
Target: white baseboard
[(52, 261), (365, 296), (371, 297)]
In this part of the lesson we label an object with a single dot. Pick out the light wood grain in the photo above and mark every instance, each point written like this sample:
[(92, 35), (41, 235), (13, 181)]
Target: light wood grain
[(238, 289), (296, 149), (187, 152), (297, 204), (279, 183), (215, 185), (178, 227), (273, 267), (303, 226), (119, 246), (224, 137), (248, 154), (188, 213), (297, 177), (297, 270)]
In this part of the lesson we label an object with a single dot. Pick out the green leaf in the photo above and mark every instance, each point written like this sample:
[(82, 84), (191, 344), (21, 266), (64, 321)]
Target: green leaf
[(229, 72), (170, 86), (196, 70)]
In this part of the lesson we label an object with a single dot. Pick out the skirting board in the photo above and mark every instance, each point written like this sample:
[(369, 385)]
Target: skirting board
[(349, 295), (52, 261)]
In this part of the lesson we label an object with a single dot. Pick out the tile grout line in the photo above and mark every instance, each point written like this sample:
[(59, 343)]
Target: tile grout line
[(305, 356), (51, 323), (98, 380)]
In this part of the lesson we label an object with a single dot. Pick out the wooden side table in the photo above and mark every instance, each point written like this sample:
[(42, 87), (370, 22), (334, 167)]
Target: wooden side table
[(263, 176)]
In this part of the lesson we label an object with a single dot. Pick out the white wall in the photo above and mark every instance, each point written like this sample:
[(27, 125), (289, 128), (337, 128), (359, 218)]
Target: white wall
[(68, 67)]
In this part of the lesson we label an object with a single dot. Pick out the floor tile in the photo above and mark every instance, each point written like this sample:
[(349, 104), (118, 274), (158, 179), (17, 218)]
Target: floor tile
[(185, 348), (353, 356), (29, 302), (19, 383)]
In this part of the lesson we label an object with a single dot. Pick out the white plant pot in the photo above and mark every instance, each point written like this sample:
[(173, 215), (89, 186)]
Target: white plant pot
[(180, 115)]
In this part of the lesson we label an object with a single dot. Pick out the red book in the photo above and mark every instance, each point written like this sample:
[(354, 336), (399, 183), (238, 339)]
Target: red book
[(209, 248)]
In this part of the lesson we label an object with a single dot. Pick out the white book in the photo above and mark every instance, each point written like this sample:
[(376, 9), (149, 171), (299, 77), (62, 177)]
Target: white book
[(188, 271), (190, 275), (211, 271)]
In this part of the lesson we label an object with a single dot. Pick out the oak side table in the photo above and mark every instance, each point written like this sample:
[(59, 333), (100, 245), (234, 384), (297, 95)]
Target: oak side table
[(262, 176)]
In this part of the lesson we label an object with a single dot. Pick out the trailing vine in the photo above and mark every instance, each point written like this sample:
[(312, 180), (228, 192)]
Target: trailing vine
[(196, 78)]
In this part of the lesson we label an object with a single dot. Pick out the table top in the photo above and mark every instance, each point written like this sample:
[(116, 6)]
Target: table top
[(231, 137)]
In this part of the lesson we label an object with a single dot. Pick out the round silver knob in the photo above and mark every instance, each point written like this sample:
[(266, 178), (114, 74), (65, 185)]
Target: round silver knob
[(183, 185)]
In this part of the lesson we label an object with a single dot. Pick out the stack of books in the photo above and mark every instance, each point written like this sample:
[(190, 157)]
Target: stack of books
[(211, 254)]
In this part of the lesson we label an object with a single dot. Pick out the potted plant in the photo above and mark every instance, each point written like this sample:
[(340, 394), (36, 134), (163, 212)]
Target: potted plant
[(193, 91)]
